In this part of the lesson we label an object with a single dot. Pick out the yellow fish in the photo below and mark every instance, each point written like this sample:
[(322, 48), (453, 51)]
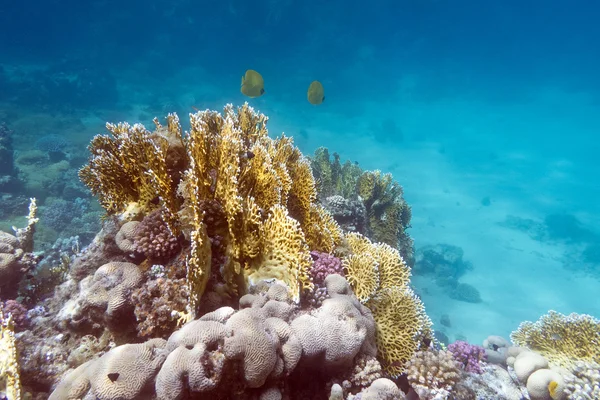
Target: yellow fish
[(253, 84), (316, 93)]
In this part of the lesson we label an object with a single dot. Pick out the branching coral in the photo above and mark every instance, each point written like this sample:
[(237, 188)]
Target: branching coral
[(562, 339), (388, 215), (433, 374), (285, 254), (401, 323), (226, 159), (373, 266), (10, 382), (15, 252), (469, 356), (380, 278)]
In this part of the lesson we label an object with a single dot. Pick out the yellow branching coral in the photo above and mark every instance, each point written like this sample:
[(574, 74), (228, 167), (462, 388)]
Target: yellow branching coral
[(362, 273), (402, 324), (128, 167), (391, 269), (562, 339), (400, 319), (10, 382), (322, 231), (284, 256), (226, 159)]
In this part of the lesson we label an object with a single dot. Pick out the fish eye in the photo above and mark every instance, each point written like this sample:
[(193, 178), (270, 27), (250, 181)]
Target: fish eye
[(262, 91)]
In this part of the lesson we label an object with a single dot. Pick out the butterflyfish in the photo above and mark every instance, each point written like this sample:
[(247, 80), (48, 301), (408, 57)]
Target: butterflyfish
[(316, 93), (253, 84)]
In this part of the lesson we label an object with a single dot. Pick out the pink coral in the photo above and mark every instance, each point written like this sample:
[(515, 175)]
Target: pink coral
[(469, 356), (18, 312), (153, 238), (324, 265)]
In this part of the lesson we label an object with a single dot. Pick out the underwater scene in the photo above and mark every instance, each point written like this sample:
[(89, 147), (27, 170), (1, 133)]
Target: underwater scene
[(278, 199)]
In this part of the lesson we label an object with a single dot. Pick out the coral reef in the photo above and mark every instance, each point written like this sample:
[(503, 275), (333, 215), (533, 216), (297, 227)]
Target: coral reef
[(445, 262), (10, 381), (468, 355), (16, 257), (264, 188), (367, 202), (226, 353), (562, 339), (433, 374), (220, 273)]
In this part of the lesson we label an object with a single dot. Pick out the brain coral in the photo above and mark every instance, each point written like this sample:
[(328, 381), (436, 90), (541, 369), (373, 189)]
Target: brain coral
[(124, 373), (226, 352)]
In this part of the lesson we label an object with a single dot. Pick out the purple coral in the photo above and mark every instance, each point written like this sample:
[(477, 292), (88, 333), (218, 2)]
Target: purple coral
[(18, 312), (469, 356), (324, 264), (153, 237)]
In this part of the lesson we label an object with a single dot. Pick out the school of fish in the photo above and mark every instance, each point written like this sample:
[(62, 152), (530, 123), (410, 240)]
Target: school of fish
[(253, 86)]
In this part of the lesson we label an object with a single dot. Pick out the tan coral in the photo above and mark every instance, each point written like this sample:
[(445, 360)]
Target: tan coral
[(393, 271), (111, 286), (126, 168), (562, 339), (126, 372), (10, 381), (284, 256), (433, 374), (369, 263)]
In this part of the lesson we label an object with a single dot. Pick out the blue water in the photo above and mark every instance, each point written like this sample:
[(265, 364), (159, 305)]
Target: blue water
[(460, 100)]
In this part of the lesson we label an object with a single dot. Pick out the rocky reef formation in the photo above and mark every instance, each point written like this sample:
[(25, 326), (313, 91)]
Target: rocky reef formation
[(368, 202), (219, 273)]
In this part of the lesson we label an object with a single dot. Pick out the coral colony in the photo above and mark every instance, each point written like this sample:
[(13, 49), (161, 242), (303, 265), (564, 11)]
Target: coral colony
[(231, 266)]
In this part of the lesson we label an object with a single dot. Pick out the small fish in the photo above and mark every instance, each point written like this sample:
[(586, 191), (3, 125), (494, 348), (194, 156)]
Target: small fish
[(253, 84), (316, 93)]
